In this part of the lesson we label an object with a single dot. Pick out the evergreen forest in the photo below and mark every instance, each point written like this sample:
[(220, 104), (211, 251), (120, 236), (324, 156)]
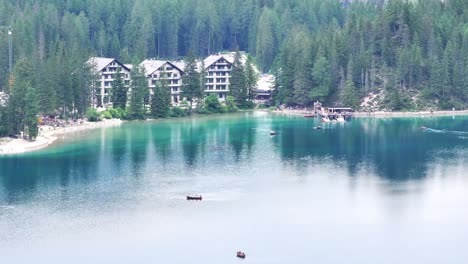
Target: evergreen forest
[(409, 54)]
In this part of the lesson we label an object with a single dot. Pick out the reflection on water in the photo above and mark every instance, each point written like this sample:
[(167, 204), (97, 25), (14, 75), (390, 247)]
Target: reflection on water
[(393, 149), (396, 148), (370, 181)]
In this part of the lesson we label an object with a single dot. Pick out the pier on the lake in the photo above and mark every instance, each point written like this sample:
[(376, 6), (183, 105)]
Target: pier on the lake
[(334, 113)]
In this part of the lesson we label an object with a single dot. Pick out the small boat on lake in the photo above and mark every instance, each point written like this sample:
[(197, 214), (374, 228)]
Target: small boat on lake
[(241, 254), (272, 133), (318, 127), (194, 197)]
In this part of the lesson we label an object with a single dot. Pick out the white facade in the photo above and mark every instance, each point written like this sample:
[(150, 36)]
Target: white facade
[(218, 69), (171, 72), (104, 70), (218, 73), (3, 98)]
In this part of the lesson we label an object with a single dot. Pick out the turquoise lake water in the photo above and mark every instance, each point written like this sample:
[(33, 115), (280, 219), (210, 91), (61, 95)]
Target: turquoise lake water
[(366, 191)]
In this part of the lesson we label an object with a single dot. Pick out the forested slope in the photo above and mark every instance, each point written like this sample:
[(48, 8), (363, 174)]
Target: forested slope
[(414, 52)]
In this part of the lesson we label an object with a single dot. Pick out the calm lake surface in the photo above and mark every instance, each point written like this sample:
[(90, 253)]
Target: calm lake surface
[(367, 191)]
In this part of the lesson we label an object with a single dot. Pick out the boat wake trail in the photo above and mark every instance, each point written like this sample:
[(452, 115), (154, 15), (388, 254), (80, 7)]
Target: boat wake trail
[(261, 130), (444, 131)]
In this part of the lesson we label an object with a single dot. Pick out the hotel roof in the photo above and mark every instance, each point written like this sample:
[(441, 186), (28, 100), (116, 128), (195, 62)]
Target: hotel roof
[(152, 65), (99, 63)]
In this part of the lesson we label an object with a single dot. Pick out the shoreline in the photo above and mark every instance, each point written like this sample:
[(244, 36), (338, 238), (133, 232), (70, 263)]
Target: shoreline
[(48, 135), (382, 114)]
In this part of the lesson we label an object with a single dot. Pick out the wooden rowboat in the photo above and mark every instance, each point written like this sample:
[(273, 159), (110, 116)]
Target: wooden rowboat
[(194, 197), (241, 254)]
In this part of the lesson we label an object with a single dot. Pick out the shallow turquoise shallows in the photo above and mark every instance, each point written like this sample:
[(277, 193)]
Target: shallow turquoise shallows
[(366, 191)]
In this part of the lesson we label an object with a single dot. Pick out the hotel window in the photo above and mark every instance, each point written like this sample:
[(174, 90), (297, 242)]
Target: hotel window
[(209, 80), (210, 87), (221, 67), (175, 89)]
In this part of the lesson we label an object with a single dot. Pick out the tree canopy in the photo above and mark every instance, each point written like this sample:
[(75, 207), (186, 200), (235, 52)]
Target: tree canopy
[(421, 46)]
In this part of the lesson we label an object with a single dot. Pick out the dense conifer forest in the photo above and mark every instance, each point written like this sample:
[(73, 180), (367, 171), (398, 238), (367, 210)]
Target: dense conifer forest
[(411, 54)]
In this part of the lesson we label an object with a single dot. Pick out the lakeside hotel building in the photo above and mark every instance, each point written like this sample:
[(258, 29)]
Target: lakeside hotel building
[(103, 71), (218, 69)]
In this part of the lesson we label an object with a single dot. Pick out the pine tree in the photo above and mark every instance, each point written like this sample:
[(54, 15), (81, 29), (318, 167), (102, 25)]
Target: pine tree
[(137, 93), (349, 95), (237, 87), (46, 92), (31, 111), (321, 79), (119, 91), (161, 100), (16, 108), (266, 39), (82, 88), (191, 88), (3, 121), (251, 79)]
